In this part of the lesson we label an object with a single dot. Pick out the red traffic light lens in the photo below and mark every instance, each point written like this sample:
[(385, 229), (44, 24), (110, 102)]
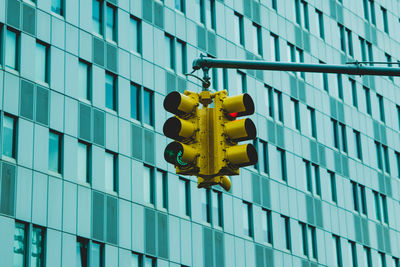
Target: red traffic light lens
[(233, 115)]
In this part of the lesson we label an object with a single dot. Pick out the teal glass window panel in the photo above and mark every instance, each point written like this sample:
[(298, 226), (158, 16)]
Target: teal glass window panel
[(57, 6), (135, 260), (41, 62), (135, 35), (96, 257), (37, 247), (149, 262), (148, 107), (210, 13), (109, 171), (110, 92), (135, 102), (161, 187), (217, 208), (110, 24), (20, 249), (11, 57), (148, 185), (180, 57), (54, 152), (9, 136), (97, 16), (83, 80), (169, 52), (83, 162)]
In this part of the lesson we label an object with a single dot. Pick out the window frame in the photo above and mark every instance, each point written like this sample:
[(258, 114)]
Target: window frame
[(114, 77), (59, 170), (114, 172), (14, 141)]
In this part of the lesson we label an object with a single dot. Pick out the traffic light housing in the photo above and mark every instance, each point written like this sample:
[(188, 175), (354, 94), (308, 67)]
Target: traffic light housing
[(206, 139), (183, 128)]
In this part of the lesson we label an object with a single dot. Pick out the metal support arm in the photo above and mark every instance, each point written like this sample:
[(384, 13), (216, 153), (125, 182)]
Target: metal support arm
[(352, 69)]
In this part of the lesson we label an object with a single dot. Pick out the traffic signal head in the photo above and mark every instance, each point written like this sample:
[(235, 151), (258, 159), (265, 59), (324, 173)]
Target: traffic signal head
[(183, 128)]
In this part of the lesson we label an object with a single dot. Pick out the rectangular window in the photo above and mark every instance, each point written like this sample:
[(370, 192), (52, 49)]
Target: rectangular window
[(83, 164), (264, 154), (286, 229), (12, 48), (97, 254), (342, 37), (180, 5), (20, 244), (282, 163), (363, 201), (148, 184), (386, 158), (353, 86), (377, 206), (267, 226), (382, 260), (84, 80), (307, 168), (241, 81), (184, 197), (389, 59), (111, 91), (169, 52), (162, 189), (300, 59), (381, 108), (343, 139), (369, 11), (247, 219), (97, 16), (136, 260), (210, 13), (82, 259), (385, 20), (320, 23), (336, 141), (349, 42), (340, 86), (148, 107), (355, 196), (295, 114), (180, 57), (149, 261), (357, 143), (337, 250), (257, 40), (41, 60), (363, 49), (57, 7), (9, 136), (304, 14), (367, 100), (55, 152), (110, 171), (379, 155), (274, 5), (37, 246), (217, 214), (316, 179), (274, 47), (367, 259), (333, 186), (278, 105), (111, 32), (303, 228), (370, 53), (206, 205), (135, 35), (397, 154), (312, 126), (238, 28), (313, 239), (135, 102), (384, 208), (353, 253), (270, 101)]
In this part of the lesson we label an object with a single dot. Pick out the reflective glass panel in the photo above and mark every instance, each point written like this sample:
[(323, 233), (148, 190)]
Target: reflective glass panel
[(81, 253), (56, 6), (96, 255), (82, 162), (41, 62), (37, 248), (54, 152), (134, 35), (11, 48), (83, 81), (109, 171), (96, 16), (110, 25), (148, 107), (110, 92), (19, 245), (9, 137)]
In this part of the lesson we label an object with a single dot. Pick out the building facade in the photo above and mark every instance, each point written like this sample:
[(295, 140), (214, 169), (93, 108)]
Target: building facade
[(83, 179)]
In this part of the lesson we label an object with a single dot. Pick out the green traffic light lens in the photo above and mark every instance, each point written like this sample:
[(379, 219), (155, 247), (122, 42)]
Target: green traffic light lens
[(173, 154)]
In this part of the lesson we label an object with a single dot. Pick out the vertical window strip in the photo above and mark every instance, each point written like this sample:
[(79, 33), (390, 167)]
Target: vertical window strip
[(333, 186)]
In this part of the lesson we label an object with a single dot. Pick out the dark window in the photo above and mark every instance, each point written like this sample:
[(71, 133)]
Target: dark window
[(184, 196), (353, 253), (169, 52), (381, 108), (354, 92), (333, 186), (275, 54), (206, 205), (241, 81), (286, 227), (238, 28), (264, 154), (385, 20), (349, 42), (357, 143), (83, 159), (97, 254), (267, 226), (84, 80), (295, 114), (282, 163), (37, 246), (180, 5), (337, 250), (342, 38), (340, 86), (397, 154), (148, 107), (82, 258), (180, 54), (257, 39), (320, 17), (41, 60), (148, 184), (110, 171), (367, 100), (217, 215), (161, 189), (111, 31), (135, 35), (57, 7), (312, 122), (97, 16)]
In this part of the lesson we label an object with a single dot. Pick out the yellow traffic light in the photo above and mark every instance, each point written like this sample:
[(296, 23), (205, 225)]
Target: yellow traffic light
[(183, 128)]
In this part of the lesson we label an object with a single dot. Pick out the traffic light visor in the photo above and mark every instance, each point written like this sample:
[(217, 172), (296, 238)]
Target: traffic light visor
[(179, 104), (243, 155), (178, 129), (242, 104), (240, 130), (179, 154)]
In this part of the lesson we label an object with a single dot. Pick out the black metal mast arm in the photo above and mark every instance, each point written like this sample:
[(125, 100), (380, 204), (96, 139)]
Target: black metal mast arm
[(353, 69)]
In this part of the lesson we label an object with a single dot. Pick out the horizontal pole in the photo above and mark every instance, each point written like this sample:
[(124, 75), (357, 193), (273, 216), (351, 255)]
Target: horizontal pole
[(353, 69)]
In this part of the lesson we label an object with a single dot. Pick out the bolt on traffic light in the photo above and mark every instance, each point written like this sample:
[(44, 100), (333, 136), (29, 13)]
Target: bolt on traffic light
[(206, 139)]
